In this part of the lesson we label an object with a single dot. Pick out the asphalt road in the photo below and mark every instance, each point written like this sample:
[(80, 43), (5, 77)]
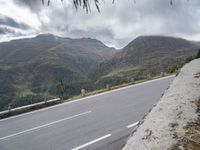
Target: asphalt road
[(94, 122)]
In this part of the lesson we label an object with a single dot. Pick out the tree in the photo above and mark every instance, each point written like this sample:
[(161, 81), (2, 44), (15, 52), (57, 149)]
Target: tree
[(80, 3), (198, 54), (85, 4)]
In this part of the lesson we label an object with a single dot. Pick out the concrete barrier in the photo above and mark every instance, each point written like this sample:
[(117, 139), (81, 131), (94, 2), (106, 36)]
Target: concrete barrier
[(27, 108)]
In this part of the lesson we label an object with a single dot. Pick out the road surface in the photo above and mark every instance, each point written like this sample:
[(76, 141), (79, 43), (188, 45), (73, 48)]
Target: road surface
[(94, 122)]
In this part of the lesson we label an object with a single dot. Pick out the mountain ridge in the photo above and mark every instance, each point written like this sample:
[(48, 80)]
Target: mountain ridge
[(35, 66), (32, 68), (146, 55)]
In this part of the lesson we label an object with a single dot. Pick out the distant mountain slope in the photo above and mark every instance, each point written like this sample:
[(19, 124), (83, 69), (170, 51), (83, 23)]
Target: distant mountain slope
[(48, 47), (31, 69), (35, 66), (145, 56)]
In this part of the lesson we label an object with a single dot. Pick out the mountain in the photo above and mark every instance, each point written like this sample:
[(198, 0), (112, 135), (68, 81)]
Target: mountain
[(145, 56), (32, 68), (52, 49)]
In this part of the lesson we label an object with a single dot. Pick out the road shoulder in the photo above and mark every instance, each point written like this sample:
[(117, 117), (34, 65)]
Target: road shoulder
[(169, 122)]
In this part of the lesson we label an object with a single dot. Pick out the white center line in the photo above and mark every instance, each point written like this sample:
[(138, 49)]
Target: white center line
[(42, 126), (132, 125), (92, 142)]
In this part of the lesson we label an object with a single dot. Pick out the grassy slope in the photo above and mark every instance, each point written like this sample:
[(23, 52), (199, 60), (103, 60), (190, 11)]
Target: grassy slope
[(144, 57), (32, 68)]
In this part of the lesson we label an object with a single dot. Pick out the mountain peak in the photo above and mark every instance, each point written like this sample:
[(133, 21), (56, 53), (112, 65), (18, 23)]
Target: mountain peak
[(45, 35), (157, 41), (155, 37), (90, 40)]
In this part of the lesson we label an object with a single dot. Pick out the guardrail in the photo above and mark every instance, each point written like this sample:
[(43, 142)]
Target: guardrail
[(27, 108)]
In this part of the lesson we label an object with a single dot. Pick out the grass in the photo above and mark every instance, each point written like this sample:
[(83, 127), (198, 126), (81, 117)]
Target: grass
[(191, 137), (192, 132), (112, 88), (100, 91)]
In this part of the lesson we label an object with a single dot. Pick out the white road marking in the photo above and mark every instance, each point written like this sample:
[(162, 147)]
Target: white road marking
[(92, 142), (132, 125), (88, 97), (42, 126)]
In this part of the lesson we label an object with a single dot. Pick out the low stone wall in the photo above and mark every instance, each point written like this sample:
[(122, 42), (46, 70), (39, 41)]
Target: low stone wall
[(165, 126), (28, 108)]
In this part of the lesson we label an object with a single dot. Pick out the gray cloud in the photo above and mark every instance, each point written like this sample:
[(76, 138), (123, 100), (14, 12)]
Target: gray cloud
[(7, 21), (3, 30), (118, 23), (34, 5)]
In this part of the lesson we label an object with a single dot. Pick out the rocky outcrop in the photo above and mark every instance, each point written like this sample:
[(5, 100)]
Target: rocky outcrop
[(174, 122)]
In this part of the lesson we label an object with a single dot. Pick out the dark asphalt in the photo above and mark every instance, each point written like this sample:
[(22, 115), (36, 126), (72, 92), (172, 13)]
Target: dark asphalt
[(83, 123)]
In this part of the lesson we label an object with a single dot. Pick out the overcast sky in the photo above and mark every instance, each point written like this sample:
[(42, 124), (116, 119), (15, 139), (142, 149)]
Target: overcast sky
[(116, 25)]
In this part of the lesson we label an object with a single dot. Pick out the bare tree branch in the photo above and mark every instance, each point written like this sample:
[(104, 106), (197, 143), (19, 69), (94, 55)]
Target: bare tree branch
[(85, 4), (80, 3)]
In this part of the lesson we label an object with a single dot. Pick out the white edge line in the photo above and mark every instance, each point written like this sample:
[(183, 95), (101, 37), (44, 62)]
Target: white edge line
[(44, 125), (132, 125), (92, 142), (88, 97)]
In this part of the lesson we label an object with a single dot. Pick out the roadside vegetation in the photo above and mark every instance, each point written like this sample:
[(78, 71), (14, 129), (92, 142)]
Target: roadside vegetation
[(84, 64), (73, 90), (90, 93), (175, 68)]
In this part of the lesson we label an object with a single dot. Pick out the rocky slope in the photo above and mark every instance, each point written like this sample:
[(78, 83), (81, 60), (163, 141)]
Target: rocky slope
[(174, 123)]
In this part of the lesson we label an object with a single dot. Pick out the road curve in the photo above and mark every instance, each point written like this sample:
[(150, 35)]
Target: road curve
[(90, 123)]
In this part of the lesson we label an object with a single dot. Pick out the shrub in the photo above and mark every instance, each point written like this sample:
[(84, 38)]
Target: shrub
[(175, 68), (198, 54), (189, 59)]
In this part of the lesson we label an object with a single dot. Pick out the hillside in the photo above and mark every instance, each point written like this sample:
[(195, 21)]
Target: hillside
[(145, 56), (32, 68)]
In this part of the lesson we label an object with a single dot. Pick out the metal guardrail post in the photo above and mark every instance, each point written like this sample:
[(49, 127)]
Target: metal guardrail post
[(45, 100), (132, 80), (82, 92), (9, 108), (61, 91), (108, 86)]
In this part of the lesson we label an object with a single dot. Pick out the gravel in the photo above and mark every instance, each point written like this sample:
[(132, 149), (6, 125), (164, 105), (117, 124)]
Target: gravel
[(163, 126)]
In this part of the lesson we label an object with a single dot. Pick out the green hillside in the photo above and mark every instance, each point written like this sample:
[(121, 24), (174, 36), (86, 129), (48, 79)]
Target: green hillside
[(31, 69), (144, 57)]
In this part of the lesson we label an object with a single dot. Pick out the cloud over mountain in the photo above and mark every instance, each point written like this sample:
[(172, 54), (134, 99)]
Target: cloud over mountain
[(117, 24)]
